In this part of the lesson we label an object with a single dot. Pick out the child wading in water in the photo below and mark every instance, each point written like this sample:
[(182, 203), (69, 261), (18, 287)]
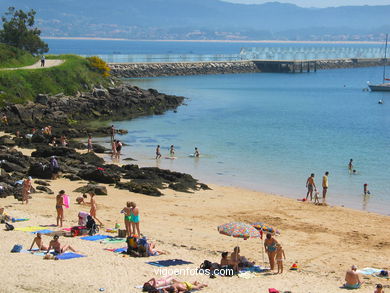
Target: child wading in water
[(279, 257)]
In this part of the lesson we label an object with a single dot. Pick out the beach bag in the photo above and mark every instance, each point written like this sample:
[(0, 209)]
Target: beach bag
[(132, 242), (206, 265), (384, 273), (78, 231), (272, 290), (9, 227), (121, 233), (17, 248)]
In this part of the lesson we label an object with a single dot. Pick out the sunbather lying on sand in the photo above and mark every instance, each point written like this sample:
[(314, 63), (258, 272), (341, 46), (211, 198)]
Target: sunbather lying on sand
[(56, 245), (39, 242), (184, 286), (154, 251), (154, 283)]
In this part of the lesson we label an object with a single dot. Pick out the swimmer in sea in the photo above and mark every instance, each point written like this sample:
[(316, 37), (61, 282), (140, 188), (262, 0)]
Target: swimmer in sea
[(172, 150), (196, 153)]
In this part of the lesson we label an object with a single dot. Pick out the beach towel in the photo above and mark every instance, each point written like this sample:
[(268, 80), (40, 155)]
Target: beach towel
[(44, 231), (35, 251), (51, 225), (368, 271), (69, 255), (114, 240), (95, 237), (112, 230), (254, 269), (116, 250), (169, 262), (19, 220), (29, 229), (67, 229)]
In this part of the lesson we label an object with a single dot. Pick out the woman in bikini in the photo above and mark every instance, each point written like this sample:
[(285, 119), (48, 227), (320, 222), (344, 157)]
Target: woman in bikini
[(127, 211), (135, 218), (59, 207), (270, 248), (93, 209)]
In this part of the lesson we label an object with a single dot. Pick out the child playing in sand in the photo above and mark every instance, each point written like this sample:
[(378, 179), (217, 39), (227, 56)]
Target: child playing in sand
[(93, 209), (39, 242), (279, 257)]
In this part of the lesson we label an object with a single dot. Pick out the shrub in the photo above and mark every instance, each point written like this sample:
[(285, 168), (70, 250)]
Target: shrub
[(99, 65)]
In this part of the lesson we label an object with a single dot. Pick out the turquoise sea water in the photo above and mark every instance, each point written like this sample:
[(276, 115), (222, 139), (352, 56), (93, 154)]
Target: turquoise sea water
[(270, 131)]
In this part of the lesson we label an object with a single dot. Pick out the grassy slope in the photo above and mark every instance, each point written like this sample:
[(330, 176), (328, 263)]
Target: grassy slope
[(75, 74), (13, 57)]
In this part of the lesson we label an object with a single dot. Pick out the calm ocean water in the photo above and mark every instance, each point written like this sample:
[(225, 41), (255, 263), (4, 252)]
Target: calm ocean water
[(268, 131)]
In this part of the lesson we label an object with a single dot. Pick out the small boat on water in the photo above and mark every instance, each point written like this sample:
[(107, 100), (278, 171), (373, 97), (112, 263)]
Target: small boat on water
[(384, 86)]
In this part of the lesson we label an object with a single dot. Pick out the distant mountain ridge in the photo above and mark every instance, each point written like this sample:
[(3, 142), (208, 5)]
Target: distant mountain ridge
[(203, 19)]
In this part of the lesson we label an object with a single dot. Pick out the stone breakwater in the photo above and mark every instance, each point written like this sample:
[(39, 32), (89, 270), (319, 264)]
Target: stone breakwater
[(136, 70), (129, 70)]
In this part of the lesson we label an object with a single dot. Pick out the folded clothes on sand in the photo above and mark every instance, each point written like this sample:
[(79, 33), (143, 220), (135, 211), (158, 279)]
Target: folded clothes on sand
[(95, 237), (169, 262)]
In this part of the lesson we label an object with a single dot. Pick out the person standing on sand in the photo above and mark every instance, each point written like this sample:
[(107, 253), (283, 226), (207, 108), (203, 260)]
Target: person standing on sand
[(55, 168), (350, 165), (270, 248), (158, 152), (279, 257), (26, 189), (352, 279), (324, 185), (93, 209), (310, 186), (135, 218), (113, 149), (127, 211), (118, 149), (89, 144), (59, 207)]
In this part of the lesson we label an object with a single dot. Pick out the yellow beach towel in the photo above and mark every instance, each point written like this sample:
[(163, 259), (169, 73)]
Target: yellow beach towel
[(29, 229)]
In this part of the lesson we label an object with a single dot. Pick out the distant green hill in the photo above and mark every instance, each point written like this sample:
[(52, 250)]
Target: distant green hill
[(14, 57), (75, 74)]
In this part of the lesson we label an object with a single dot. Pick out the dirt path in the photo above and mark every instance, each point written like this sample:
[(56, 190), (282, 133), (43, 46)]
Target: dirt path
[(37, 65)]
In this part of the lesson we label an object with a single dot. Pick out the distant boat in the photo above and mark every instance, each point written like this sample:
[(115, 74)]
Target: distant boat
[(384, 86)]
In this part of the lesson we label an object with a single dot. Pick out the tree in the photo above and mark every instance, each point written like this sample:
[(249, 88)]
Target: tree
[(19, 31)]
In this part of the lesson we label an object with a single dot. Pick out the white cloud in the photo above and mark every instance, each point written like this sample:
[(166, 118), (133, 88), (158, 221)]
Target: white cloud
[(317, 3)]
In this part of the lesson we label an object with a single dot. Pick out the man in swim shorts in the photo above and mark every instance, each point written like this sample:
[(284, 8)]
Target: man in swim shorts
[(352, 279), (324, 185), (56, 245), (310, 186)]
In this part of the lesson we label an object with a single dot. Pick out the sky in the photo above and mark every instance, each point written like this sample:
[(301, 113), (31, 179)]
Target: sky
[(318, 3)]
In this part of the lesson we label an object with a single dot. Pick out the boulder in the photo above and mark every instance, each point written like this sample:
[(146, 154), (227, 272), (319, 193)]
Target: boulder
[(97, 189), (7, 140), (45, 189), (72, 177), (39, 170), (11, 167), (98, 175), (41, 182), (97, 148), (46, 151), (144, 188), (91, 158)]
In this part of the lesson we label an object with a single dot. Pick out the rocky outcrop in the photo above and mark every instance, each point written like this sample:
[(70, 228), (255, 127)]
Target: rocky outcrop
[(68, 114), (181, 68)]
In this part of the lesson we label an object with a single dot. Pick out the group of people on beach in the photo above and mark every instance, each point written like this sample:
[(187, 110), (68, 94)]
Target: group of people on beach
[(196, 153), (311, 186)]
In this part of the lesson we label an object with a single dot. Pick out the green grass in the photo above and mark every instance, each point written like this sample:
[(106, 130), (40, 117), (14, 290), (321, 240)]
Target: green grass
[(14, 57), (75, 74)]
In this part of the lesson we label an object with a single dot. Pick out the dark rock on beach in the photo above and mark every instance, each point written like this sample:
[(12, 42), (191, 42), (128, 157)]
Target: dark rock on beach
[(97, 189), (45, 189)]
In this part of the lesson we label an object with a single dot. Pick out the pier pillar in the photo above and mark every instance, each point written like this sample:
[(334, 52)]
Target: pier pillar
[(301, 66), (315, 66), (308, 66)]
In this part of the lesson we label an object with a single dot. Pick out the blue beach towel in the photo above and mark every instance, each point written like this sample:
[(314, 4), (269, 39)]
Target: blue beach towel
[(95, 237), (120, 249), (69, 255), (19, 220), (169, 262), (44, 231)]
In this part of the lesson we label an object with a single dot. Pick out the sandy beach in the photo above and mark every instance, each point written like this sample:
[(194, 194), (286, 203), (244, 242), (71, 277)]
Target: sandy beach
[(324, 240)]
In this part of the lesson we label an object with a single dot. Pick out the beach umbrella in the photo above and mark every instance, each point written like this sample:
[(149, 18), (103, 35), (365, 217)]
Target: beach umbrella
[(239, 230), (265, 228)]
